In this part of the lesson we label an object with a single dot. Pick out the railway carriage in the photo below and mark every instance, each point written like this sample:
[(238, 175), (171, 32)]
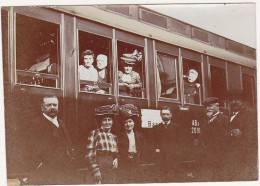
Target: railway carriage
[(42, 52)]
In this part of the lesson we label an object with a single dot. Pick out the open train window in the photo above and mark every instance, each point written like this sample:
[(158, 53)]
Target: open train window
[(95, 62), (37, 52), (218, 84), (249, 89), (167, 76), (130, 70), (192, 81)]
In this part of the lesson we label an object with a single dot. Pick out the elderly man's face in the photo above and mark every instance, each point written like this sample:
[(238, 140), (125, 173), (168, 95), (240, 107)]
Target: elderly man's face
[(166, 115), (88, 60), (106, 123), (129, 124), (101, 62), (50, 106), (212, 109)]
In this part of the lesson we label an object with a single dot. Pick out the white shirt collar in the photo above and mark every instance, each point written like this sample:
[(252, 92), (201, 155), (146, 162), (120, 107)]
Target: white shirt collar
[(167, 123), (131, 132), (215, 114), (52, 120)]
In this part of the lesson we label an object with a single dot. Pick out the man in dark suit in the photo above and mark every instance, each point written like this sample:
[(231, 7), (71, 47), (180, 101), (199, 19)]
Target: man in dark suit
[(169, 143), (214, 135), (242, 141), (47, 147)]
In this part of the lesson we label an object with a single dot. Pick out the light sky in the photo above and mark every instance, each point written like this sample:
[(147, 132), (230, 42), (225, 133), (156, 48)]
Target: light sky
[(234, 21)]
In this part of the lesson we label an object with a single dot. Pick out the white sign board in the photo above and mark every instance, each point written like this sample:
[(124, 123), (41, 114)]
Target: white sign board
[(150, 118)]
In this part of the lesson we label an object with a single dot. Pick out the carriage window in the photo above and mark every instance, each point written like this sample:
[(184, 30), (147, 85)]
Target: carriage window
[(167, 76), (130, 70), (37, 52), (95, 61), (249, 89), (4, 20), (192, 82), (218, 84)]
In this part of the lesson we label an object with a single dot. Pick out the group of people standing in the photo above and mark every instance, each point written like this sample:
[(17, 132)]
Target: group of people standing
[(230, 145), (107, 152), (230, 141)]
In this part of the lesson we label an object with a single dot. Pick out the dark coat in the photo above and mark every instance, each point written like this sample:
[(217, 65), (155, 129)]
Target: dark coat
[(214, 136), (171, 140), (123, 145), (46, 150), (246, 122), (242, 150)]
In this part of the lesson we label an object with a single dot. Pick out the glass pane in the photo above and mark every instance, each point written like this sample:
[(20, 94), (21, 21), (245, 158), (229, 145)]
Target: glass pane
[(4, 20), (95, 63), (166, 73), (218, 84), (37, 52), (192, 82), (249, 89), (130, 70)]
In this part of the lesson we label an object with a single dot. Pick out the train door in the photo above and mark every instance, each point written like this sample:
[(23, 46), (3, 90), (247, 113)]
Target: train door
[(94, 73), (131, 70), (192, 117), (33, 64)]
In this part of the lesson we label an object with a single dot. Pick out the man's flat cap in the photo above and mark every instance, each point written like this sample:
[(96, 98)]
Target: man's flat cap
[(210, 100)]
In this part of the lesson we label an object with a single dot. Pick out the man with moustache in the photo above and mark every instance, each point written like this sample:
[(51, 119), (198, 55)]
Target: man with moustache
[(48, 148), (214, 139)]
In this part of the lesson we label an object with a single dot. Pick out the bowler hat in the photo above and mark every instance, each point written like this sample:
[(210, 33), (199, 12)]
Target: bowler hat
[(210, 100)]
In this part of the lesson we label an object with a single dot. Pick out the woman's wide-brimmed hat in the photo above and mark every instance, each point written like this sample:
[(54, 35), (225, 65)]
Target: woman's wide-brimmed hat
[(132, 58), (110, 110), (128, 111)]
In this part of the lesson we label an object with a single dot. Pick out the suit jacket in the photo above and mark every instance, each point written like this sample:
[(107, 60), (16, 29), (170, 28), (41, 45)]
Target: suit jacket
[(44, 144), (246, 122), (214, 135), (170, 140), (123, 143)]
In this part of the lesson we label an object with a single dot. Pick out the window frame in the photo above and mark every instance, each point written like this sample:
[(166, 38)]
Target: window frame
[(90, 27), (198, 58), (138, 41), (251, 73), (218, 63), (177, 100), (46, 16)]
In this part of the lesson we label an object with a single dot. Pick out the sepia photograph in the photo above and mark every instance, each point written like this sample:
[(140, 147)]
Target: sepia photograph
[(129, 93)]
